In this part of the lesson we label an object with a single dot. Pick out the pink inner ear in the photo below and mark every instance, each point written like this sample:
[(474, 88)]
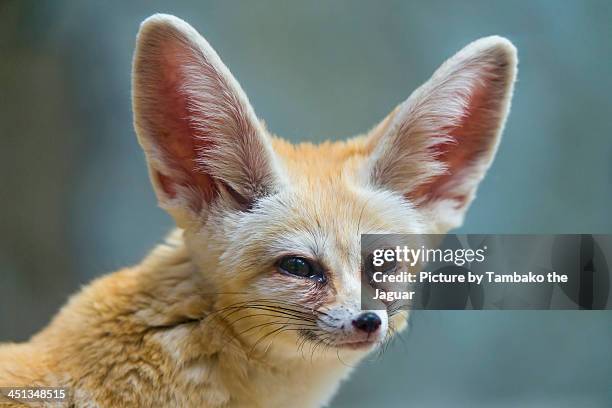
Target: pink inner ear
[(471, 140), (176, 134)]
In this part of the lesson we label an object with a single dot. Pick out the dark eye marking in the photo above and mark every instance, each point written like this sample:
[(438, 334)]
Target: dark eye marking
[(302, 268)]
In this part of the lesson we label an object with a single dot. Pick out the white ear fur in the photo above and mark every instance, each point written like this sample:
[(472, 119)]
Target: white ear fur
[(437, 145), (200, 134)]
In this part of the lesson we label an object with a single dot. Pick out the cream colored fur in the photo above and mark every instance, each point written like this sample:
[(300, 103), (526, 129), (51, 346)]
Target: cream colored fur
[(206, 320)]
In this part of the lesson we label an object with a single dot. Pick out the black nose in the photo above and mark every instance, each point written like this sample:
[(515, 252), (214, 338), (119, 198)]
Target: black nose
[(368, 322)]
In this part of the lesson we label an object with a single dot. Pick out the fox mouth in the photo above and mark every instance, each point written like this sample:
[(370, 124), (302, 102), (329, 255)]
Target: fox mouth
[(342, 344), (356, 345)]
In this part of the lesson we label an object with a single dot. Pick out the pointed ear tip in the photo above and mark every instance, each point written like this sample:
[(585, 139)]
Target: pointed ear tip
[(161, 19), (503, 46), (165, 22), (159, 28)]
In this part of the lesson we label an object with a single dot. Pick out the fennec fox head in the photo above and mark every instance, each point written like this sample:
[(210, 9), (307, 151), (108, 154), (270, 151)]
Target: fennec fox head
[(275, 227)]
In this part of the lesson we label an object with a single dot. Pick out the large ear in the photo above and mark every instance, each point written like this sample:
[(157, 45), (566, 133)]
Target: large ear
[(201, 137), (436, 146)]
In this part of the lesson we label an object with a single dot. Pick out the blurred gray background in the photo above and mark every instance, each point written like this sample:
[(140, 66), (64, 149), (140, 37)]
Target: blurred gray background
[(76, 201)]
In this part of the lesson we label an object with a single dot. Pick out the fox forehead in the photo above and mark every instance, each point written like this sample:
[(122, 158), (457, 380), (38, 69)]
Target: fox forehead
[(324, 205), (323, 217), (323, 162)]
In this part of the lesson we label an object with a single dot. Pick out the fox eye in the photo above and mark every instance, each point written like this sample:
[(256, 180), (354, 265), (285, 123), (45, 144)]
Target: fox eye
[(301, 267)]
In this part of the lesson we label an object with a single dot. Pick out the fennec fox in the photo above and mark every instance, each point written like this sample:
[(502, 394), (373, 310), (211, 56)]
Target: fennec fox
[(253, 301)]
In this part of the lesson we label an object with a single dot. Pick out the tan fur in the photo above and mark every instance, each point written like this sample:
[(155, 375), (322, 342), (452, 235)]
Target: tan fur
[(167, 332)]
